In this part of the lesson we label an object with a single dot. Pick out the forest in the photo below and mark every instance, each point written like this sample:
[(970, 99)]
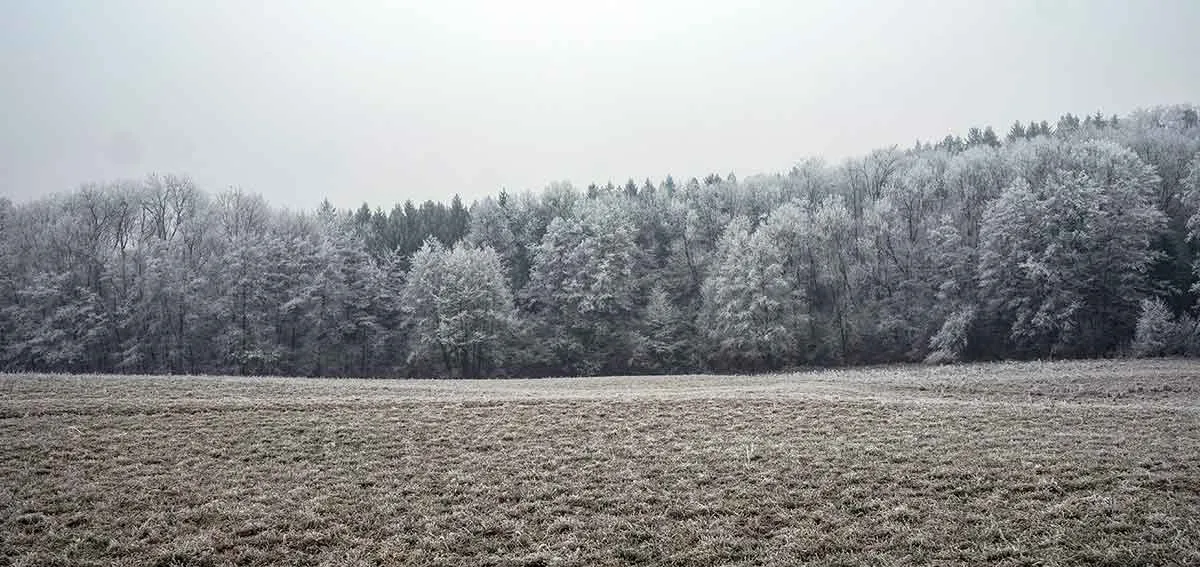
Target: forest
[(1068, 239)]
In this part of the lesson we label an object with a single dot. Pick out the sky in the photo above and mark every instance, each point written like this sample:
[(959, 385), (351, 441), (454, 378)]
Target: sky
[(381, 102)]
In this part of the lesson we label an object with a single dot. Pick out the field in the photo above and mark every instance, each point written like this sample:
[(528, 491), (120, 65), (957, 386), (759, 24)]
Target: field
[(1093, 463)]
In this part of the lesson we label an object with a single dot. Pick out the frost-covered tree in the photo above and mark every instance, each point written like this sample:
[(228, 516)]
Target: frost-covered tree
[(1191, 205), (7, 277), (951, 341), (793, 240), (475, 314), (251, 283), (901, 227), (960, 250), (662, 342), (492, 225), (419, 303), (1156, 333), (751, 308), (840, 280), (1065, 249), (581, 287), (459, 307), (336, 303)]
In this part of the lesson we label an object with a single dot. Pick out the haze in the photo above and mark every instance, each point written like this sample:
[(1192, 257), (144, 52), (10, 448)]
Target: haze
[(382, 102)]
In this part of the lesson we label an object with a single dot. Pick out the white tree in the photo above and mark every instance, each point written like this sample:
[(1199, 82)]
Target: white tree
[(838, 284), (750, 307), (459, 307), (1191, 204), (1156, 333), (419, 303), (475, 314), (1065, 249), (492, 226), (582, 286)]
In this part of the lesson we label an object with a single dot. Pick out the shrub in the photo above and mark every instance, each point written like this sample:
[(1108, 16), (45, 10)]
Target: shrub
[(951, 340), (1156, 334)]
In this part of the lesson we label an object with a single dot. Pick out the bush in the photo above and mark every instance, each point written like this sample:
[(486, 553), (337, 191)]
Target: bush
[(1187, 335), (948, 344), (1158, 335)]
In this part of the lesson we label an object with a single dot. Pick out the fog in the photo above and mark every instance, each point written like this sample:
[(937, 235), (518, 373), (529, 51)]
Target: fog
[(382, 102)]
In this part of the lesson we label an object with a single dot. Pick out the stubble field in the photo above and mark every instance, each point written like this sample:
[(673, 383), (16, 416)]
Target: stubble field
[(1093, 463)]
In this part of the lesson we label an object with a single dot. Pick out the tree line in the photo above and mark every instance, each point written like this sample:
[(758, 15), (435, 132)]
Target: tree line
[(1072, 240)]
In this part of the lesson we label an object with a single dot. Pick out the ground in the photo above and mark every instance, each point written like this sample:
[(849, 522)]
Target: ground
[(1068, 463)]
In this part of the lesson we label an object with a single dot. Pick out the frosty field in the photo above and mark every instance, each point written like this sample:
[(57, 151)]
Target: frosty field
[(1010, 464)]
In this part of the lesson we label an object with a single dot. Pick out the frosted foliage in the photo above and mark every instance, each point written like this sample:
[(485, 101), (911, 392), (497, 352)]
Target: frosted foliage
[(1071, 236)]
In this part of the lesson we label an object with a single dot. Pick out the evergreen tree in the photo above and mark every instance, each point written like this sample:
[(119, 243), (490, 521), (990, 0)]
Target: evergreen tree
[(1016, 132)]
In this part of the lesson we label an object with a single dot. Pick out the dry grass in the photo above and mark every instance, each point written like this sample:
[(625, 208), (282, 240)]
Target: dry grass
[(1015, 464)]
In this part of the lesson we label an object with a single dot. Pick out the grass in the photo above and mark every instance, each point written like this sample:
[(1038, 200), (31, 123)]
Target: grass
[(1080, 463)]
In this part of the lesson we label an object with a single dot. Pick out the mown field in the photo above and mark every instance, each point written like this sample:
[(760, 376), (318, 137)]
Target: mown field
[(1081, 463)]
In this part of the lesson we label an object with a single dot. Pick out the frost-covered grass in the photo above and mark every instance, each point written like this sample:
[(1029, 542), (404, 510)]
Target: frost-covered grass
[(1018, 464)]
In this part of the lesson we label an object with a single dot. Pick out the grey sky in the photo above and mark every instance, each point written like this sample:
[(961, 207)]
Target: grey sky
[(387, 101)]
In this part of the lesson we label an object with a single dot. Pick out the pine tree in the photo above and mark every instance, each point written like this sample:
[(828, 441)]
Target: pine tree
[(1016, 132)]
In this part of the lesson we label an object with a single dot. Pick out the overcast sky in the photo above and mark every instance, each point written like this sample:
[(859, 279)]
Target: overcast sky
[(382, 102)]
